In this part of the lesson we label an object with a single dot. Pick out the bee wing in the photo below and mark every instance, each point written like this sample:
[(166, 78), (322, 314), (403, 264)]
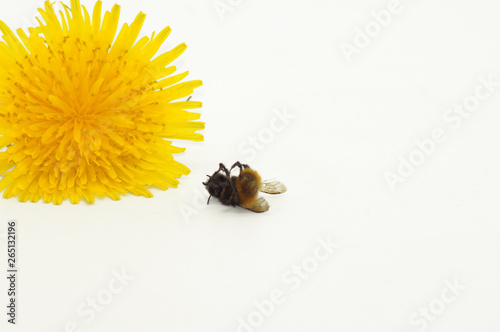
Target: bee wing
[(259, 205), (273, 187)]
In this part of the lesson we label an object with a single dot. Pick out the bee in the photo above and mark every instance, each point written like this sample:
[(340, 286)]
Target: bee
[(242, 190)]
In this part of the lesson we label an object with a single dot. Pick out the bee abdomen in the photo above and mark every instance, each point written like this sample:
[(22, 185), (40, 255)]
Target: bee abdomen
[(248, 185)]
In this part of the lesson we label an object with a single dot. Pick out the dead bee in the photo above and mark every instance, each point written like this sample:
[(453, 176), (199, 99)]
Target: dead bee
[(241, 190)]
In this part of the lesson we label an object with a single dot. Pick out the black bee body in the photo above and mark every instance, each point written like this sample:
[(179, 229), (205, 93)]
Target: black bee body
[(220, 186)]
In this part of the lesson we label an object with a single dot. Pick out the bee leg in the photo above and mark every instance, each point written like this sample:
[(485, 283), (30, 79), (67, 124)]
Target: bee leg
[(209, 199), (205, 183), (236, 164), (240, 165), (224, 169)]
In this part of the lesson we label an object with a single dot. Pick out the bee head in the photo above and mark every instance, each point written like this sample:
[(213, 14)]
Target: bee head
[(215, 184)]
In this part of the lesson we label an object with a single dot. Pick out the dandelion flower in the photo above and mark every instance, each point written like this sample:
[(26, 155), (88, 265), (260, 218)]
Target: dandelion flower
[(85, 114)]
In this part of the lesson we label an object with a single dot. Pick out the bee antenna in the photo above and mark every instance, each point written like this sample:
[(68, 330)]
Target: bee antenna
[(203, 183), (209, 199)]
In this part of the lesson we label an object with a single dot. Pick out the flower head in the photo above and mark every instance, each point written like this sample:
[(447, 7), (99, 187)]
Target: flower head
[(85, 114)]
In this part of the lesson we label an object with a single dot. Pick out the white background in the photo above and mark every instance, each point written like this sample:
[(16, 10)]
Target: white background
[(202, 268)]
